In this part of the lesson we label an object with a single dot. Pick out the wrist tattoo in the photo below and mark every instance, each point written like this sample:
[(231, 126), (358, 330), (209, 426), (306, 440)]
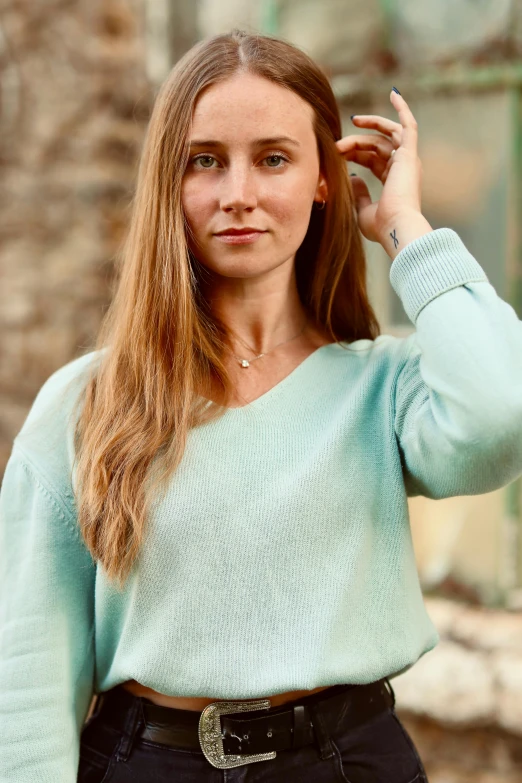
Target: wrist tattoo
[(394, 237)]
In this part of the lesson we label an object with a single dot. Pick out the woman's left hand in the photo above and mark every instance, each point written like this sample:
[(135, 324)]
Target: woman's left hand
[(400, 172)]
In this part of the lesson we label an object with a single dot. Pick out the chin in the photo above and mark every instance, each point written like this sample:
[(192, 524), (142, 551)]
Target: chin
[(242, 268)]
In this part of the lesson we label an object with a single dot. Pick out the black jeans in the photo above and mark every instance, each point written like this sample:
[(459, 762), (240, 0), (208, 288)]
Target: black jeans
[(378, 751)]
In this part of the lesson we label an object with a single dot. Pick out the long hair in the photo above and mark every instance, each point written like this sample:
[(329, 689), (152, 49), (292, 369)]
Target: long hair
[(159, 342)]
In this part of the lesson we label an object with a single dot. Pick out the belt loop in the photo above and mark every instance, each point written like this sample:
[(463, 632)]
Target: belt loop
[(299, 726), (132, 724), (326, 750)]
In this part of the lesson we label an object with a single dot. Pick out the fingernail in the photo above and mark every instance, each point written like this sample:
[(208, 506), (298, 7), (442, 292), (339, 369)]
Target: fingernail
[(396, 90), (353, 175), (352, 116)]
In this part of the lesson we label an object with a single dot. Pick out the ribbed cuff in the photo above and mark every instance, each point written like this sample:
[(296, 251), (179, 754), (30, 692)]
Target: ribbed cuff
[(430, 265)]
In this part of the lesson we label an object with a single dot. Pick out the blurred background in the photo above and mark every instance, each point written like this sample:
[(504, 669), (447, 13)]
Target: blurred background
[(77, 83)]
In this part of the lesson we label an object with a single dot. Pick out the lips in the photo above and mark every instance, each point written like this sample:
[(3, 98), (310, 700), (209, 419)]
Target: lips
[(240, 236), (238, 231)]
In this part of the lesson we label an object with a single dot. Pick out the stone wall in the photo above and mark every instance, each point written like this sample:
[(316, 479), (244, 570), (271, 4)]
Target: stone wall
[(462, 701), (74, 104)]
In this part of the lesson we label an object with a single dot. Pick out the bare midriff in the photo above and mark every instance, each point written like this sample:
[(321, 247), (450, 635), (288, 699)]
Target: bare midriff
[(199, 703)]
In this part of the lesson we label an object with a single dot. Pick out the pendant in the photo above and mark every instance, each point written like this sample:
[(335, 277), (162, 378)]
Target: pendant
[(245, 363)]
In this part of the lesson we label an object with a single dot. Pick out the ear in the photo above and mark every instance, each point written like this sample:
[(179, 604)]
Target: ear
[(321, 191)]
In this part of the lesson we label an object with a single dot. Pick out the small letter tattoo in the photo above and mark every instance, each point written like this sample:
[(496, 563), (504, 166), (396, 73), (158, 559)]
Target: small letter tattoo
[(395, 240)]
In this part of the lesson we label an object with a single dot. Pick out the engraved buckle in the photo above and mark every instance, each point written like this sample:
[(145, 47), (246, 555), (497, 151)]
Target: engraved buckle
[(211, 739)]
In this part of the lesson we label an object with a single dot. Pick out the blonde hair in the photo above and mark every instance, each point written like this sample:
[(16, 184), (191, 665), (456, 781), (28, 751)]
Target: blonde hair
[(159, 342)]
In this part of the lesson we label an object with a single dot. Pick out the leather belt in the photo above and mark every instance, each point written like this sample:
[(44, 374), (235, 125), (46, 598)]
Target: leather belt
[(232, 733)]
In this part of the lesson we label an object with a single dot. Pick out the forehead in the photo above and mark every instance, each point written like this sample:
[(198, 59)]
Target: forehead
[(247, 105)]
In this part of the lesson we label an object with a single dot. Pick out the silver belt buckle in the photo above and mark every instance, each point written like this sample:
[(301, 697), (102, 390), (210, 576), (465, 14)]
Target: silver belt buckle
[(210, 737)]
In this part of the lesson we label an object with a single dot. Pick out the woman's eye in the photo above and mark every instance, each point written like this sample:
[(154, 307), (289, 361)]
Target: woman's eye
[(277, 158), (204, 160)]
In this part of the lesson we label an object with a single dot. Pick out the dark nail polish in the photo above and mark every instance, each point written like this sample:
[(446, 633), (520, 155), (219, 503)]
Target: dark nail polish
[(353, 175), (352, 116), (396, 90)]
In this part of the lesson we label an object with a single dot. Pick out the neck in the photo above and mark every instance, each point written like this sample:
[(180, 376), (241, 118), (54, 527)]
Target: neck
[(259, 317)]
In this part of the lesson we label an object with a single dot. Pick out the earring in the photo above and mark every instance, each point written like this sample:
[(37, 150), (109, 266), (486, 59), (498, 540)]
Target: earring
[(322, 204)]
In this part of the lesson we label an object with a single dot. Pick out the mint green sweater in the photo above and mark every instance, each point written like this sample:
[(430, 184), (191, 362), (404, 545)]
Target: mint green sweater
[(281, 557)]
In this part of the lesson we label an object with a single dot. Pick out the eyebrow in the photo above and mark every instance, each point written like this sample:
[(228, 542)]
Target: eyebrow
[(256, 143)]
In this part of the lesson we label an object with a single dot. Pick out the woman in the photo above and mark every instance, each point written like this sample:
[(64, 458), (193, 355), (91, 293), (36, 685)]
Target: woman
[(204, 521)]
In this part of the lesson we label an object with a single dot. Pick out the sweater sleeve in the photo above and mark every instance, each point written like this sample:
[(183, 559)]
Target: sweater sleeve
[(46, 629), (458, 391)]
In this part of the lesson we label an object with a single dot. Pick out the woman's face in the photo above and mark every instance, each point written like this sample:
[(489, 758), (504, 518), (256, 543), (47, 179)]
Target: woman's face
[(254, 164)]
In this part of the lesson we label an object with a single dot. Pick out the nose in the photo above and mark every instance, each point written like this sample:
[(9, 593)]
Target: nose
[(238, 189)]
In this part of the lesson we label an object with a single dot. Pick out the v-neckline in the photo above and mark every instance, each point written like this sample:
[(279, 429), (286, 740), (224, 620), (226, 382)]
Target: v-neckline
[(259, 401)]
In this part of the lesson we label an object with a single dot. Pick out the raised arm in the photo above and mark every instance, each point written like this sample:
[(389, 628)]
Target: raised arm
[(458, 400)]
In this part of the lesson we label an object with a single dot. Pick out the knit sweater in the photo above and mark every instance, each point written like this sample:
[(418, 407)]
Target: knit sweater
[(281, 556)]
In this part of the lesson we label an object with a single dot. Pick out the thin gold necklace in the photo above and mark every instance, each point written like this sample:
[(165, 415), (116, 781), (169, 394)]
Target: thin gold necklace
[(248, 362)]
